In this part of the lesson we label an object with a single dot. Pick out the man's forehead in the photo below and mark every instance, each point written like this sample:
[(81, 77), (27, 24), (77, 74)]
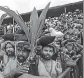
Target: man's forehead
[(23, 48), (48, 47), (20, 44), (19, 47), (69, 44)]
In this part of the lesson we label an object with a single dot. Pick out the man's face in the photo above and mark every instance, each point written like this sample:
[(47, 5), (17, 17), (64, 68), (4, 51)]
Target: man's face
[(22, 55), (57, 41), (67, 36), (10, 49), (47, 53), (69, 47)]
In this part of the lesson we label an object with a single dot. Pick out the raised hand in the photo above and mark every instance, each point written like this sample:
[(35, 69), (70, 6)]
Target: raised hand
[(58, 67), (71, 63), (21, 70)]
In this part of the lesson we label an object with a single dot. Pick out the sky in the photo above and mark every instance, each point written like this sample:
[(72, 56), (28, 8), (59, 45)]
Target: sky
[(23, 6)]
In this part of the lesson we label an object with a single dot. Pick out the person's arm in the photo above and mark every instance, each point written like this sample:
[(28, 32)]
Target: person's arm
[(68, 40), (17, 71), (9, 74), (32, 76), (6, 72), (79, 45), (71, 63), (1, 75), (80, 48)]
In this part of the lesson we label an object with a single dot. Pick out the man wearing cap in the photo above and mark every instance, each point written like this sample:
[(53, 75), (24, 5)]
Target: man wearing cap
[(46, 64), (24, 68), (29, 69), (23, 64), (47, 68)]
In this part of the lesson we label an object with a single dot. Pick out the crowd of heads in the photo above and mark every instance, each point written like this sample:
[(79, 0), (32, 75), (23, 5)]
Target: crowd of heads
[(70, 24)]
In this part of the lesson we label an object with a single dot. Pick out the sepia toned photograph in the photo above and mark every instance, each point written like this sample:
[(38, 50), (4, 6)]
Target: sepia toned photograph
[(41, 39)]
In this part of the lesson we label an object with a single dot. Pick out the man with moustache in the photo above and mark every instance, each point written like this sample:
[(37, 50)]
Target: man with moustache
[(14, 64), (47, 68), (24, 67), (31, 70), (46, 62), (52, 67)]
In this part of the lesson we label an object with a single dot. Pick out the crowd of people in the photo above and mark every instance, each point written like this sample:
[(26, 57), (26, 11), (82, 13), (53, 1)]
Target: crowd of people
[(71, 24), (53, 55)]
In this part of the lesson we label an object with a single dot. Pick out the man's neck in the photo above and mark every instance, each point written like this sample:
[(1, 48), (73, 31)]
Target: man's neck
[(46, 61), (11, 56)]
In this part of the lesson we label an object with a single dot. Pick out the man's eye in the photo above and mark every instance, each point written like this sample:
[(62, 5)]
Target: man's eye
[(51, 51), (45, 50), (18, 50)]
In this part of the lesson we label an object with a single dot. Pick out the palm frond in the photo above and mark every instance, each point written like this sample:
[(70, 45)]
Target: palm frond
[(20, 16), (17, 19), (27, 27), (33, 27), (41, 20), (36, 25)]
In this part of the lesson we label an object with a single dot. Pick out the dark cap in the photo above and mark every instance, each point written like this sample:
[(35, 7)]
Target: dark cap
[(23, 45), (8, 37), (45, 40)]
